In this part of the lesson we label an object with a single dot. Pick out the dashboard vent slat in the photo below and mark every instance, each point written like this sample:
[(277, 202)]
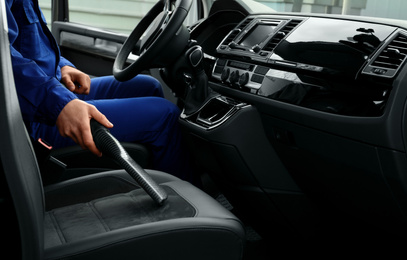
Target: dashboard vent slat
[(281, 34), (393, 55), (236, 31)]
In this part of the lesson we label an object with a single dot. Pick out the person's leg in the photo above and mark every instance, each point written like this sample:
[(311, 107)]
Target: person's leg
[(152, 121), (108, 88)]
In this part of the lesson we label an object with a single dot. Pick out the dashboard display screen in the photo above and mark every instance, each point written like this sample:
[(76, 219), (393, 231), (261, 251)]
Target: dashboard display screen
[(257, 35)]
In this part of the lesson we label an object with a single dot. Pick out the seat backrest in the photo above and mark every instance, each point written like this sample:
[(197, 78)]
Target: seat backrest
[(17, 158)]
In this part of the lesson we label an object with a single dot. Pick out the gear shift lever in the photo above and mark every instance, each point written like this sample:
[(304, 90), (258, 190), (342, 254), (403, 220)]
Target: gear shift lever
[(198, 90)]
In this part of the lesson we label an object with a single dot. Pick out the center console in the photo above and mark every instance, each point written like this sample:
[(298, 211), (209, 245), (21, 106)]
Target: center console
[(214, 112), (313, 101)]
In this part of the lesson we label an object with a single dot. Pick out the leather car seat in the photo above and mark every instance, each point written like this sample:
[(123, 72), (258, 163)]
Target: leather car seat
[(105, 215)]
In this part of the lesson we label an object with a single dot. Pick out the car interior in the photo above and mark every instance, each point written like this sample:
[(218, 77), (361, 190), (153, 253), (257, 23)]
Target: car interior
[(125, 214), (295, 122)]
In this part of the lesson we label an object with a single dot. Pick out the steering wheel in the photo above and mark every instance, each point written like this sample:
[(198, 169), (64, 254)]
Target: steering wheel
[(158, 39)]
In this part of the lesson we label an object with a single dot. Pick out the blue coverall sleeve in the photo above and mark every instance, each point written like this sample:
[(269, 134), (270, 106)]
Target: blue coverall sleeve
[(64, 62), (41, 95)]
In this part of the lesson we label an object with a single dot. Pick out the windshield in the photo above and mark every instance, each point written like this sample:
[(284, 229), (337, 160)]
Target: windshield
[(395, 9), (123, 15)]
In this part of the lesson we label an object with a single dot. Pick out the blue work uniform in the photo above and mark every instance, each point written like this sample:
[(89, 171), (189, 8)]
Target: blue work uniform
[(136, 108)]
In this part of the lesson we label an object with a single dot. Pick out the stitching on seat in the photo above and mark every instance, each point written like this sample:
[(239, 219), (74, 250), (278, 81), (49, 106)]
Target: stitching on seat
[(57, 227), (168, 184), (95, 211), (133, 198), (84, 179)]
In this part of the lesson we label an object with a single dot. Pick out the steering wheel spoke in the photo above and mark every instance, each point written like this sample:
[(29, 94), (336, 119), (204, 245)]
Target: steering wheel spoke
[(158, 39)]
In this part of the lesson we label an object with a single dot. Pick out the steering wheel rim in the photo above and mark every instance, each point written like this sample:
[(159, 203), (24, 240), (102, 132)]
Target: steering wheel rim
[(161, 26)]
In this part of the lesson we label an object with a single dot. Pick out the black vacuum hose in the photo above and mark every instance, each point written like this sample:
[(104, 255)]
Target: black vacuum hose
[(111, 147)]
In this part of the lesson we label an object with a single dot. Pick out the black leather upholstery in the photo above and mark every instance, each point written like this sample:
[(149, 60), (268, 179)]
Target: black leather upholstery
[(104, 215), (190, 225)]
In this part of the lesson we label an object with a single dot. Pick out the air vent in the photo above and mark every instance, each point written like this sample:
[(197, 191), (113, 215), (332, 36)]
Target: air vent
[(236, 31), (281, 34), (393, 55), (245, 23), (290, 26), (389, 60)]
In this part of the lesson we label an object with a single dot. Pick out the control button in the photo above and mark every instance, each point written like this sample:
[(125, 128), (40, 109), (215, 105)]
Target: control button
[(234, 76), (256, 48), (261, 70), (379, 71), (257, 78), (244, 78), (225, 74)]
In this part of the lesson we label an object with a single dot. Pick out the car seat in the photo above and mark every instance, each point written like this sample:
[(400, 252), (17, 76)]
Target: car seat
[(104, 215)]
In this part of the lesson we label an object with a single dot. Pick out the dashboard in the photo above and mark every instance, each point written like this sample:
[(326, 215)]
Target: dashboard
[(338, 66), (311, 105)]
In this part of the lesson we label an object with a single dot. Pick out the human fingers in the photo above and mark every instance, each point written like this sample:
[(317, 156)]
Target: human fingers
[(87, 135), (75, 133), (82, 81), (102, 119), (83, 137), (75, 80), (69, 84), (88, 143), (74, 122)]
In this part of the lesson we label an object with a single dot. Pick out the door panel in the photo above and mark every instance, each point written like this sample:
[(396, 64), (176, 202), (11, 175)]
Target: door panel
[(90, 49)]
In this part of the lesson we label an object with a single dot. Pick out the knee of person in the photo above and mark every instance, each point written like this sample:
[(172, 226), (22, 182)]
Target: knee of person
[(157, 88), (173, 110), (170, 111)]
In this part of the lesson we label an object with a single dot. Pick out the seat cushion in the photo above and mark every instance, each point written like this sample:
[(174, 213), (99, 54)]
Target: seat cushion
[(94, 216)]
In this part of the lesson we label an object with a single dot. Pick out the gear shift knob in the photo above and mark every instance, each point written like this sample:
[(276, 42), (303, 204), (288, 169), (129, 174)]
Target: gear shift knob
[(198, 90)]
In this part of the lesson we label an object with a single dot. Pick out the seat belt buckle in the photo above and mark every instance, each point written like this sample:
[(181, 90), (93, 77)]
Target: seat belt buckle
[(46, 150), (44, 144), (50, 167)]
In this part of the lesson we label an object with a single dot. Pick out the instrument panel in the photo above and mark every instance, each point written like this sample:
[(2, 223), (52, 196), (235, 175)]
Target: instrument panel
[(265, 55)]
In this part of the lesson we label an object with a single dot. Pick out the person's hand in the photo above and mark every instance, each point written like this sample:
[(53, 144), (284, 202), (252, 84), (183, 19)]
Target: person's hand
[(74, 122), (75, 80)]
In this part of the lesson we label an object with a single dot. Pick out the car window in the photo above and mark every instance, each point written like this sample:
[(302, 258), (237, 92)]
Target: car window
[(123, 15), (46, 9), (375, 8), (119, 16)]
